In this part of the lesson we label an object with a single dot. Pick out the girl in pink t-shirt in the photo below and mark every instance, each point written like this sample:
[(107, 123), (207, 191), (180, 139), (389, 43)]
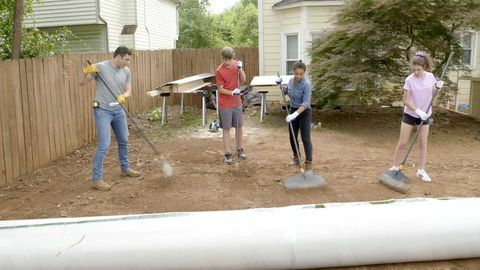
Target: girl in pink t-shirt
[(418, 92)]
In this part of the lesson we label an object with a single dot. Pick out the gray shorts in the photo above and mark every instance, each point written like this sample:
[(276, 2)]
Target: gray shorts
[(231, 118)]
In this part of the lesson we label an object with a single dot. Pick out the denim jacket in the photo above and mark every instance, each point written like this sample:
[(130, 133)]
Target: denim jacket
[(299, 93)]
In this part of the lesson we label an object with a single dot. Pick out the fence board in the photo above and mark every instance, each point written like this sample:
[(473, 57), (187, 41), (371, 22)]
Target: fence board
[(38, 124), (26, 116), (62, 109), (5, 163), (33, 113), (11, 69), (16, 81)]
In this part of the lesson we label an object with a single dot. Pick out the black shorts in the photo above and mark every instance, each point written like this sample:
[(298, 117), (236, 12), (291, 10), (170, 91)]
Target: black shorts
[(414, 121)]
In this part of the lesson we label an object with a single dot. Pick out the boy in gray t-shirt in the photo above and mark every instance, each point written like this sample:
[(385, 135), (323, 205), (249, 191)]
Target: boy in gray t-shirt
[(117, 78)]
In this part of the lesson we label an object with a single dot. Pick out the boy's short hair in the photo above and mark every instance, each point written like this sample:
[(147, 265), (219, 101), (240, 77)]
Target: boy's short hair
[(228, 53)]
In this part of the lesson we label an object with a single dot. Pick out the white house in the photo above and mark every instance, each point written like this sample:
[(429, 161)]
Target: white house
[(287, 28), (103, 25)]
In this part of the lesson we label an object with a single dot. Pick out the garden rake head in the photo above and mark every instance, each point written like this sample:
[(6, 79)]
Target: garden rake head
[(396, 180)]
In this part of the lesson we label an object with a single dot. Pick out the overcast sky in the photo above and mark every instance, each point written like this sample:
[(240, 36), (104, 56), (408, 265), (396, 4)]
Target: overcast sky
[(217, 6)]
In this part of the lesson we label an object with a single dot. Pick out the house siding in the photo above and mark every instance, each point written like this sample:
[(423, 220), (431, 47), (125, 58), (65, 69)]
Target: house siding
[(157, 25), (112, 12), (463, 95), (278, 22), (52, 13)]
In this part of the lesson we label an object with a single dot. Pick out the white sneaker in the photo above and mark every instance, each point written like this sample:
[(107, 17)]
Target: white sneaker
[(422, 174), (394, 168)]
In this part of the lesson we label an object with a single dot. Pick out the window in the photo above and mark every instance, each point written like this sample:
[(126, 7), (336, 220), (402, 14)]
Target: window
[(291, 52), (468, 45)]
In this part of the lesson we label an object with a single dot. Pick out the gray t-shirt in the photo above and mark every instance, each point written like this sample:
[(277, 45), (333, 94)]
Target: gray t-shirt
[(115, 78)]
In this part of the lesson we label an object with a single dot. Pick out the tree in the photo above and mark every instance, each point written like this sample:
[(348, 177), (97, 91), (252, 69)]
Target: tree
[(196, 29), (236, 26), (17, 29), (372, 42), (34, 42)]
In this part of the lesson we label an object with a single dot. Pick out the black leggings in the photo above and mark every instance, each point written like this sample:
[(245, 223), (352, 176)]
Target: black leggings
[(302, 123)]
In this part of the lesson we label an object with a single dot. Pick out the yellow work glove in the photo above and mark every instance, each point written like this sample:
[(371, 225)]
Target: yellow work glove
[(121, 99), (90, 69)]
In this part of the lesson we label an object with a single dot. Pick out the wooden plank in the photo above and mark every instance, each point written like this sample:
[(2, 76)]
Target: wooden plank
[(67, 107), (5, 163), (52, 106), (76, 92), (41, 127), (26, 116), (187, 80), (33, 113), (13, 83), (89, 97), (56, 104), (64, 106), (269, 80), (21, 109)]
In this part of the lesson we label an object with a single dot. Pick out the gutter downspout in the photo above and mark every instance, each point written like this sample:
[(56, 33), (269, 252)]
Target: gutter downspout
[(145, 22), (106, 25), (134, 42)]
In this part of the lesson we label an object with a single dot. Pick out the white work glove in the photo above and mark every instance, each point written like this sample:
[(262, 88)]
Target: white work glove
[(291, 117), (236, 92), (422, 114), (239, 65), (439, 85)]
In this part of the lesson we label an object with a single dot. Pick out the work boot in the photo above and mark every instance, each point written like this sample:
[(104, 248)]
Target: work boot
[(295, 162), (100, 184), (227, 159), (131, 173), (308, 166), (241, 154)]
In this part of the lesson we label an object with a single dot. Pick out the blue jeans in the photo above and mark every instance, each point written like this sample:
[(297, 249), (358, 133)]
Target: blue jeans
[(103, 121)]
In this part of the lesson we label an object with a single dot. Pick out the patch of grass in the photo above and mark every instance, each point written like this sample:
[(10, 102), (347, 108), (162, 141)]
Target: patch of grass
[(382, 202)]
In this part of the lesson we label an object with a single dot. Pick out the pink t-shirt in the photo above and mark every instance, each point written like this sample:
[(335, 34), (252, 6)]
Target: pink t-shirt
[(421, 91)]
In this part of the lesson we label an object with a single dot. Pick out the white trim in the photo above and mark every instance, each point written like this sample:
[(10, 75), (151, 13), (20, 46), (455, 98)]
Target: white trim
[(284, 49), (261, 57), (473, 48), (310, 4)]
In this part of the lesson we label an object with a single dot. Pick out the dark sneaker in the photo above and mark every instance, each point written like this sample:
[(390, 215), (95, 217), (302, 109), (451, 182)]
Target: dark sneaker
[(227, 159), (241, 154), (295, 162), (308, 166)]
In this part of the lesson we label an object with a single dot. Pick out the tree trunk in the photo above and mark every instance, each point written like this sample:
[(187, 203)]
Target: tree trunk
[(17, 29)]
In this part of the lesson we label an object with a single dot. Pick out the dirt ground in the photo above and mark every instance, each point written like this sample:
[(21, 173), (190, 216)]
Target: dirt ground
[(350, 150)]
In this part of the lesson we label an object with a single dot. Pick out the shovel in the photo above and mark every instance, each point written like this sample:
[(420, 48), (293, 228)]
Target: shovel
[(305, 179), (397, 180)]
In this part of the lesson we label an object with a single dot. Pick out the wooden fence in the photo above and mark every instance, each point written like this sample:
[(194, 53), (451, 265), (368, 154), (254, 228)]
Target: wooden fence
[(45, 114)]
